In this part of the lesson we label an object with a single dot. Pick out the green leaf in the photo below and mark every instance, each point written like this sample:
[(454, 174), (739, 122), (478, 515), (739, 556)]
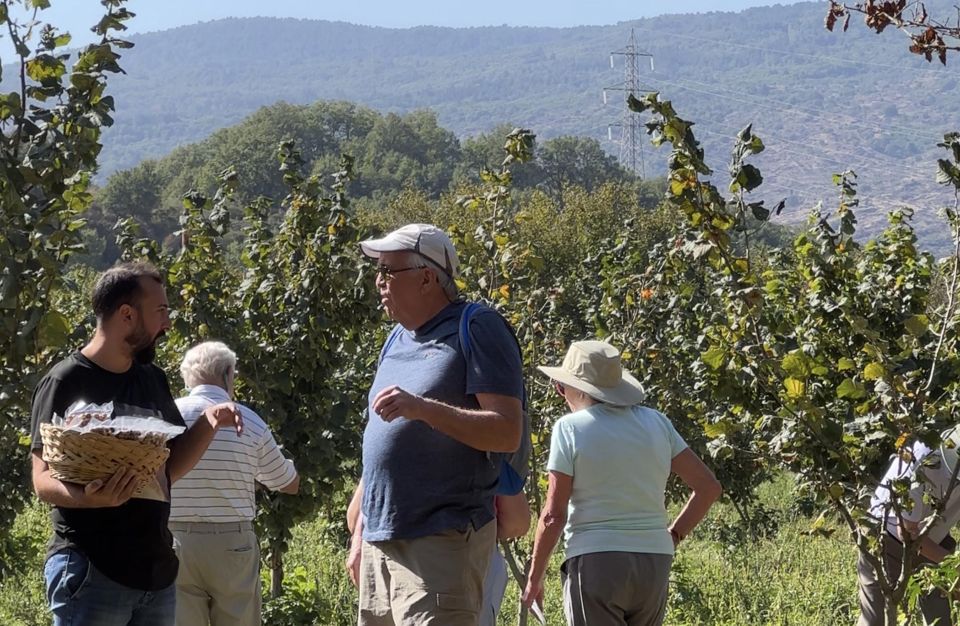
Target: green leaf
[(947, 173), (718, 429), (874, 371), (917, 325), (795, 364), (45, 67), (845, 364), (760, 213), (54, 329), (749, 177), (10, 105), (714, 357), (850, 389), (795, 388)]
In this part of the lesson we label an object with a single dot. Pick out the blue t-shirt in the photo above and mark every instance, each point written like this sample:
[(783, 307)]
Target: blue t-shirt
[(416, 480)]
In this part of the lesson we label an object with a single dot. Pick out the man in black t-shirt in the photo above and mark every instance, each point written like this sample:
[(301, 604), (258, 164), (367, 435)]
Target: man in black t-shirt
[(110, 560)]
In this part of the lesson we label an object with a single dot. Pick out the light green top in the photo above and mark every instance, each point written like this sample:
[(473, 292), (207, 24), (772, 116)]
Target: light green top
[(619, 458)]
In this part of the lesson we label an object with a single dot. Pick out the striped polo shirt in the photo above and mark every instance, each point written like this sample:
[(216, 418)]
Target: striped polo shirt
[(220, 488)]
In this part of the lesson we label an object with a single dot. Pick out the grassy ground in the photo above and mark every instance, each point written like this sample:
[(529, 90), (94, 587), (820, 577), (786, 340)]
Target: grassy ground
[(720, 576)]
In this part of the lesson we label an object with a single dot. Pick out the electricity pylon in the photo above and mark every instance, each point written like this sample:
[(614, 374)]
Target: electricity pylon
[(631, 145)]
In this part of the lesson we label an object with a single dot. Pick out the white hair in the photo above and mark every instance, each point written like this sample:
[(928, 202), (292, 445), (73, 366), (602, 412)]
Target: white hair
[(447, 283), (207, 363)]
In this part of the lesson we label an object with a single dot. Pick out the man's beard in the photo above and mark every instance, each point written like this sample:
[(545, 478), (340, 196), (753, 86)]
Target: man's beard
[(146, 355), (144, 347)]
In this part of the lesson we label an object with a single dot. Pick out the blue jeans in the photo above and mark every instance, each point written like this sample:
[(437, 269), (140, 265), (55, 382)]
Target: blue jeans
[(79, 594)]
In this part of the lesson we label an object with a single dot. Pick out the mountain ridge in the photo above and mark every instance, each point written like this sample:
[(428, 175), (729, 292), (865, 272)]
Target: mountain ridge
[(822, 102)]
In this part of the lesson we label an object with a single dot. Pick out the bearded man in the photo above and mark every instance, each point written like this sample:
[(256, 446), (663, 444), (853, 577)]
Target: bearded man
[(111, 560)]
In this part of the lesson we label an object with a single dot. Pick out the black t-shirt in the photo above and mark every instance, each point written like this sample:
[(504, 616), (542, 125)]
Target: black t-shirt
[(130, 543)]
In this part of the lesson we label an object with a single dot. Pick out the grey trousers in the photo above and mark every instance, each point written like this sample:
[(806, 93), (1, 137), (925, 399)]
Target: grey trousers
[(616, 589), (933, 606)]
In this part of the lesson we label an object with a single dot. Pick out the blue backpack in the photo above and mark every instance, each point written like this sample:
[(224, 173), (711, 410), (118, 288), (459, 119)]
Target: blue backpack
[(515, 466)]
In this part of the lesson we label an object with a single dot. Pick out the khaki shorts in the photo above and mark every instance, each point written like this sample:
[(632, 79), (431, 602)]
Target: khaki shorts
[(428, 581)]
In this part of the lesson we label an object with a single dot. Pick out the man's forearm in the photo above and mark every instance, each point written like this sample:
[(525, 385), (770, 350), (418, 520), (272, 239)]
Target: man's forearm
[(189, 447), (482, 429), (933, 550), (353, 509), (58, 493)]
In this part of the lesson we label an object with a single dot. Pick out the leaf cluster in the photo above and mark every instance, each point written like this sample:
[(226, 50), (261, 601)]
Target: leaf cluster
[(50, 129)]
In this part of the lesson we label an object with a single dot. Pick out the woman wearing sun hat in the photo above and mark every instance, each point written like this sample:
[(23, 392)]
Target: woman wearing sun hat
[(610, 459)]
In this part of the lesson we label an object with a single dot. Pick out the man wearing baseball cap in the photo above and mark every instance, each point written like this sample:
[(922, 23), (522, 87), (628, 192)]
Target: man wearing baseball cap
[(436, 412)]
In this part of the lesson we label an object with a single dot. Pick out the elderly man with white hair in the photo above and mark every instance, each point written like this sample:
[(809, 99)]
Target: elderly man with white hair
[(445, 409), (213, 506)]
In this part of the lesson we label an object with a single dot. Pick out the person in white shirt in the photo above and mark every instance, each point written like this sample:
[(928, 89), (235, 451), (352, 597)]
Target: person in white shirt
[(213, 506), (930, 474)]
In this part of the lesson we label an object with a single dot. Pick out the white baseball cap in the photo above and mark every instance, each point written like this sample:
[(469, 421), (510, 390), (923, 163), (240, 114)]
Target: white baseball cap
[(425, 239)]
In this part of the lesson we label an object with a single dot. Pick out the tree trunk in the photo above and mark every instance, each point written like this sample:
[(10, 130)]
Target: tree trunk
[(745, 518), (519, 575), (892, 613), (276, 571)]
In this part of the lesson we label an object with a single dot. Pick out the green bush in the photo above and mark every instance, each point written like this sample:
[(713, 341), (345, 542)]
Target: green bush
[(789, 576), (22, 600)]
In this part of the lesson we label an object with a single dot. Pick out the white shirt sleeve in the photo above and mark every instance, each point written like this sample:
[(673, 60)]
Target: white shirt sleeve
[(677, 444), (561, 449), (273, 471)]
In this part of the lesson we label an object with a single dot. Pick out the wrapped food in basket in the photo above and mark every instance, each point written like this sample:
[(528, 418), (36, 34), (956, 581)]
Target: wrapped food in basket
[(86, 444)]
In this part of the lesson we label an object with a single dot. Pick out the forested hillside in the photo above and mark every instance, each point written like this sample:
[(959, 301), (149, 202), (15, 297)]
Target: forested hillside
[(393, 154), (822, 102)]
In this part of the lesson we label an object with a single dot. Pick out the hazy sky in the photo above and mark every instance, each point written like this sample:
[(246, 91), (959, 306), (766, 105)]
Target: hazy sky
[(76, 16)]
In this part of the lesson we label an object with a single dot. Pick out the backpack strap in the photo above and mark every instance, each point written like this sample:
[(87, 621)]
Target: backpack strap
[(465, 315), (510, 482)]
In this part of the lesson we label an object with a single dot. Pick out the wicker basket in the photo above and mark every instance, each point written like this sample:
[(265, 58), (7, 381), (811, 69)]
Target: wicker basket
[(82, 458)]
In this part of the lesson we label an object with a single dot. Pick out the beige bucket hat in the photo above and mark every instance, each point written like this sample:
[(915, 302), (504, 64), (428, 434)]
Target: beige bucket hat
[(594, 368)]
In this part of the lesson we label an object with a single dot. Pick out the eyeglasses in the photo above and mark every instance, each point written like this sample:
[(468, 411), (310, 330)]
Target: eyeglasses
[(388, 274)]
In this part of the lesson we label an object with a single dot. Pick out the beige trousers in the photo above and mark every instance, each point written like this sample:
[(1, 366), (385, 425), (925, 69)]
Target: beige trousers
[(429, 581), (219, 578)]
